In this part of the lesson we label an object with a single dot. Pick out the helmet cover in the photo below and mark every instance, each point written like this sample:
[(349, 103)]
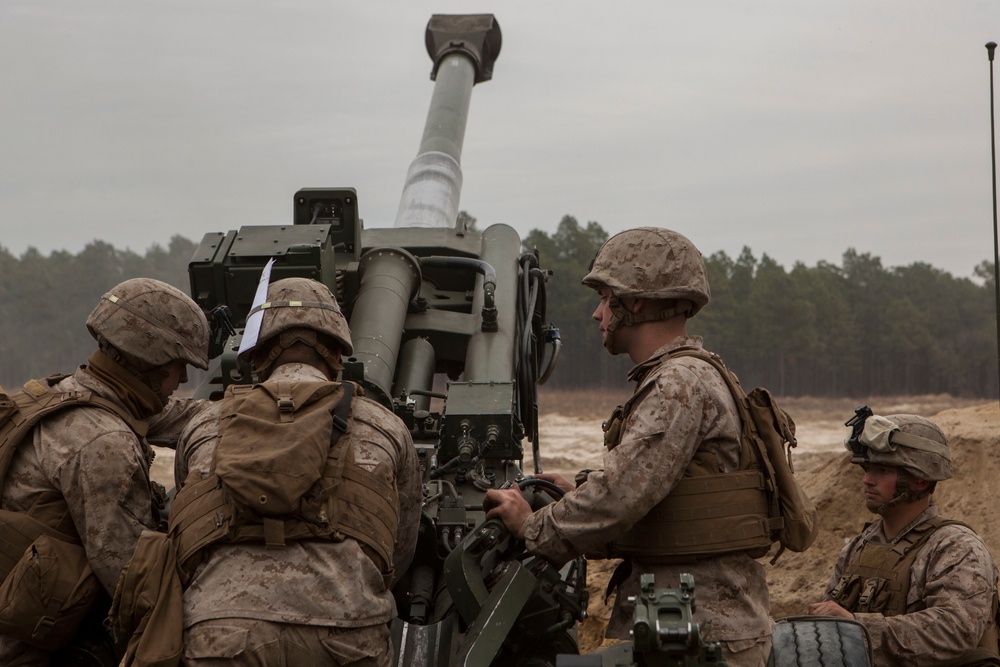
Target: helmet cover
[(906, 441), (297, 303), (153, 322), (651, 263)]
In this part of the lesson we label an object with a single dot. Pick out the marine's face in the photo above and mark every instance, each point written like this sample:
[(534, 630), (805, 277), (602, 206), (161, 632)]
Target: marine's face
[(880, 485), (175, 378), (602, 314)]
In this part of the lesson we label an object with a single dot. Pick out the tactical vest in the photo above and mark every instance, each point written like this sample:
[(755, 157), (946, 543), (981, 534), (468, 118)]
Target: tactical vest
[(707, 513), (346, 501), (876, 579)]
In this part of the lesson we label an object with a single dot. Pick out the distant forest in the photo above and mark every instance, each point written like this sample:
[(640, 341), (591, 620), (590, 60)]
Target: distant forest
[(857, 329)]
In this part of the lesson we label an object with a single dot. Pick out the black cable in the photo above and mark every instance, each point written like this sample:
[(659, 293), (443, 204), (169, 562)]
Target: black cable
[(532, 481)]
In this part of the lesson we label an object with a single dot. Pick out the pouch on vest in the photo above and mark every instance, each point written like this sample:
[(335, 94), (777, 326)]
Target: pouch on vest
[(18, 530), (148, 607), (47, 594), (777, 431), (275, 440)]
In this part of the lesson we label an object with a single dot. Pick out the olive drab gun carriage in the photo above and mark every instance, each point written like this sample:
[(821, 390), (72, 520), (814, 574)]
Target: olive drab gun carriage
[(449, 333)]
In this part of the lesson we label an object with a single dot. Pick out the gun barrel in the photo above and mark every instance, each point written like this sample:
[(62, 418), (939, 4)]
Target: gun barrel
[(463, 49)]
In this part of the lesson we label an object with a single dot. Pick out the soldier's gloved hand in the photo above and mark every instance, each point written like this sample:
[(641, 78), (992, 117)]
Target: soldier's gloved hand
[(510, 507)]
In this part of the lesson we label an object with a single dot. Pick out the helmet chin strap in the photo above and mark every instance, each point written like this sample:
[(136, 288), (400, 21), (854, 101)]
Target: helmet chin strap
[(617, 317), (622, 316), (904, 494), (305, 336)]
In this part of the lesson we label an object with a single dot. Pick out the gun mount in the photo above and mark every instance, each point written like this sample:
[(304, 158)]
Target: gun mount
[(448, 326)]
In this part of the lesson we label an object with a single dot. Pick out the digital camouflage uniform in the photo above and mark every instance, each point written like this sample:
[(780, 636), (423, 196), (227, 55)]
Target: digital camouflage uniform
[(949, 603), (679, 407), (238, 595)]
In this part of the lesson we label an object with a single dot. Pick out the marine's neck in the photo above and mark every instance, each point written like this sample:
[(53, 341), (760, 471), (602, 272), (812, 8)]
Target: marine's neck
[(895, 519), (648, 337)]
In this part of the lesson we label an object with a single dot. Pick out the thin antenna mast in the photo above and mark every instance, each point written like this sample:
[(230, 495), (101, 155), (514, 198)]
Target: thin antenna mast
[(990, 48)]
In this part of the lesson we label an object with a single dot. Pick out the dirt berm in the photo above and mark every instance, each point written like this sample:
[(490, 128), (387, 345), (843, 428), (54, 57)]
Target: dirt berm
[(835, 485)]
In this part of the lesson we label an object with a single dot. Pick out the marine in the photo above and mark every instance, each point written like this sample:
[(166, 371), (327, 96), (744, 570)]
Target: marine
[(681, 422), (924, 586), (307, 583), (77, 493)]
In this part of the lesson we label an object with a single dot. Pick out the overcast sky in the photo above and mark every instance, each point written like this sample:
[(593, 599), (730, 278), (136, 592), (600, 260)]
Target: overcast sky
[(798, 128)]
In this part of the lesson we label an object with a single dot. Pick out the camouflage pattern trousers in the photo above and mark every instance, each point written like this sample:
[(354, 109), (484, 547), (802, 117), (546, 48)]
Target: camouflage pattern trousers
[(254, 643)]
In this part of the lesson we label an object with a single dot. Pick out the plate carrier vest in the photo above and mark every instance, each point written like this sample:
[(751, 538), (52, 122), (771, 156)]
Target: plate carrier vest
[(876, 579), (707, 513), (347, 501)]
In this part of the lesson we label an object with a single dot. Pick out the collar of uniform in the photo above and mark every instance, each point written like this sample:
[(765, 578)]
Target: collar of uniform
[(639, 371), (877, 536), (91, 383), (296, 371)]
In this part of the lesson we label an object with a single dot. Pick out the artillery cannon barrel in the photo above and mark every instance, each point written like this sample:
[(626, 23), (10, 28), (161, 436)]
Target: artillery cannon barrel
[(463, 49)]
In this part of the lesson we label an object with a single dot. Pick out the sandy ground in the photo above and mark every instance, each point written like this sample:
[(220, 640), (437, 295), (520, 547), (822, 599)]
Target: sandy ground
[(571, 439)]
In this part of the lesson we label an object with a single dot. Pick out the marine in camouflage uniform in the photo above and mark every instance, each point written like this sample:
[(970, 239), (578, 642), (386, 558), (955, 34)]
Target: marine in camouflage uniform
[(680, 421), (924, 586), (314, 602), (84, 471)]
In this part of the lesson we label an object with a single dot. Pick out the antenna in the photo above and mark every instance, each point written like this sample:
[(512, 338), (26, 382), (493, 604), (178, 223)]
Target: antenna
[(990, 48)]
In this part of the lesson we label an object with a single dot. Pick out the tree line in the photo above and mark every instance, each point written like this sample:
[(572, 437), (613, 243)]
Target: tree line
[(857, 329)]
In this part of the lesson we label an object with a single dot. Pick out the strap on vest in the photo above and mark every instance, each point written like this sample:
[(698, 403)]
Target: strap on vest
[(622, 572), (48, 620), (750, 435), (286, 405), (337, 448), (274, 532)]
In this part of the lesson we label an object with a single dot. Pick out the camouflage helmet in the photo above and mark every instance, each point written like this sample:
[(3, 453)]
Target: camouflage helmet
[(651, 263), (906, 441), (295, 304), (153, 322)]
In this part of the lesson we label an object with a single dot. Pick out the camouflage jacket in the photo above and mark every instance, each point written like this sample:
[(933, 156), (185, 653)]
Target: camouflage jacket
[(97, 463), (680, 406), (307, 582)]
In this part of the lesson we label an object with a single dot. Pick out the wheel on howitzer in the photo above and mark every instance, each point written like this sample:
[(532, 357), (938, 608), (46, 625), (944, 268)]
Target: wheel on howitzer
[(819, 641)]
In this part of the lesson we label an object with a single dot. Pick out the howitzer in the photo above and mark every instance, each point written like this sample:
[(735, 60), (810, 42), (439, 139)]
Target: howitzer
[(449, 332)]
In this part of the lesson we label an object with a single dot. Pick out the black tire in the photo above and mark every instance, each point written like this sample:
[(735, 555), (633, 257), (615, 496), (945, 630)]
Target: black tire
[(819, 641)]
